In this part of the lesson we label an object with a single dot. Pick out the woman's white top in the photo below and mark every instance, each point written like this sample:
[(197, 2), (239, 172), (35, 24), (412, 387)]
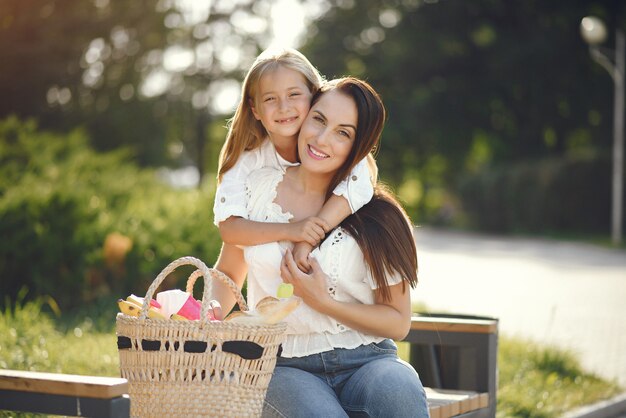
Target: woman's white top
[(230, 199), (349, 279)]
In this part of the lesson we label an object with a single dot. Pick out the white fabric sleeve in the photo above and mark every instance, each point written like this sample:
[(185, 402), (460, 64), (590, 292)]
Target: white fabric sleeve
[(392, 279), (230, 196), (357, 188)]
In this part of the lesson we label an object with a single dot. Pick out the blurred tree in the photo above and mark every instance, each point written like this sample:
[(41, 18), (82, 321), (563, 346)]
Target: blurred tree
[(73, 63), (470, 84), (149, 74)]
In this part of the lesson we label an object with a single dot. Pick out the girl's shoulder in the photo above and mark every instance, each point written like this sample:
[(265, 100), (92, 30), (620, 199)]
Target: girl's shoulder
[(261, 189), (264, 179), (264, 155)]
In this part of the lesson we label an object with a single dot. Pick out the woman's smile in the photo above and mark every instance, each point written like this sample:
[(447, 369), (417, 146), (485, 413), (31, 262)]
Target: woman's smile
[(328, 132), (316, 153)]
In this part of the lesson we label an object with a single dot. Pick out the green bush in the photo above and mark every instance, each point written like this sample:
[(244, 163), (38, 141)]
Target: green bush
[(78, 225), (553, 195)]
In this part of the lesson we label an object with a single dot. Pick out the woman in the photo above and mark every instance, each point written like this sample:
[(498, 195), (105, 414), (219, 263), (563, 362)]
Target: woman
[(339, 358)]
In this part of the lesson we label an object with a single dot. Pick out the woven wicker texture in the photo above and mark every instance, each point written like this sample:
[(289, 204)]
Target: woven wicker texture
[(166, 379)]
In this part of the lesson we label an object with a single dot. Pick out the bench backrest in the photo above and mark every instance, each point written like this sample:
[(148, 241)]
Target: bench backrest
[(456, 352)]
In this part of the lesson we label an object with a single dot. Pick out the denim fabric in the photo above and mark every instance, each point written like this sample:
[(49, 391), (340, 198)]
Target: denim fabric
[(367, 381)]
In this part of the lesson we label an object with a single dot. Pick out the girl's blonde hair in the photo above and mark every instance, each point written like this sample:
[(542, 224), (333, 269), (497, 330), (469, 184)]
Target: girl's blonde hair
[(245, 132)]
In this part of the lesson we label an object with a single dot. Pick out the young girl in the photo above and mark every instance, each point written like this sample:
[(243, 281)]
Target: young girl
[(276, 96), (338, 357)]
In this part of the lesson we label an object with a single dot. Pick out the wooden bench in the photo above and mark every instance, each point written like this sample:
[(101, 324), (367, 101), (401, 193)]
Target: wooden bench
[(456, 358), (64, 394), (91, 396)]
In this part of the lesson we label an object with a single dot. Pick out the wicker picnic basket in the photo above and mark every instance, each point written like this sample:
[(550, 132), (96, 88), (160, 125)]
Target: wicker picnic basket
[(196, 368)]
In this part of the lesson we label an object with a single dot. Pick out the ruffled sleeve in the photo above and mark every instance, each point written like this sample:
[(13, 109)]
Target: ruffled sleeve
[(357, 188), (230, 196)]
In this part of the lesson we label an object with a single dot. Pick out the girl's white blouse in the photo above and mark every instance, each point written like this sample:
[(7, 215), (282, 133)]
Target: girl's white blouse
[(230, 197), (340, 257)]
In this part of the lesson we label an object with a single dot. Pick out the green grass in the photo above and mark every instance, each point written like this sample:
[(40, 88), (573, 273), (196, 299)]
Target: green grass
[(30, 339), (542, 382), (534, 381)]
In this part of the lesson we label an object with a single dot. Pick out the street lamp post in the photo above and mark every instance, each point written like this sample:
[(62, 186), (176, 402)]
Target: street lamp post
[(594, 33)]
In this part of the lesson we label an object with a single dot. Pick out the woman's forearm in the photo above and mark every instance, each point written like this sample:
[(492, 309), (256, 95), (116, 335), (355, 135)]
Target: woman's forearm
[(378, 319)]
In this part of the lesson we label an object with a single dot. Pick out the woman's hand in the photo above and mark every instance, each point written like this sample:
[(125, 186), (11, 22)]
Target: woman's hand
[(310, 230), (311, 287)]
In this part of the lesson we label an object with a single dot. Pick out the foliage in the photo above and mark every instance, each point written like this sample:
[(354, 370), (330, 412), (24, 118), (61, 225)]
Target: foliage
[(79, 225), (557, 194), (54, 72), (471, 84), (467, 85), (143, 75), (543, 382)]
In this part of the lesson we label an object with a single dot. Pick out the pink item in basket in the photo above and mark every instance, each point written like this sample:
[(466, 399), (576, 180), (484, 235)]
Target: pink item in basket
[(178, 302), (190, 309)]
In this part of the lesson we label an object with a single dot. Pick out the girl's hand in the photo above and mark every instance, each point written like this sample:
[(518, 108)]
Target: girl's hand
[(215, 311), (311, 230), (310, 287), (301, 251)]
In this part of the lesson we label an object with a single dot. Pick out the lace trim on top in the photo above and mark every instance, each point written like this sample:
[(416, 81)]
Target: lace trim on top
[(337, 237)]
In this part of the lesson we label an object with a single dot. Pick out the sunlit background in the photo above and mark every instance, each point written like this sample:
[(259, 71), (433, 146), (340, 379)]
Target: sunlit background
[(500, 122)]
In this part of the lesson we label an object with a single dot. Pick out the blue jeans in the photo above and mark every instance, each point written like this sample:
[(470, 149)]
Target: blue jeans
[(367, 381)]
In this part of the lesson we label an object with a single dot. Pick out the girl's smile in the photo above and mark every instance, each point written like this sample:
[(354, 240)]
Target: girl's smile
[(281, 102)]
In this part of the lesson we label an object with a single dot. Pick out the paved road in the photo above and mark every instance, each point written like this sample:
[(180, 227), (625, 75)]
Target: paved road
[(564, 294)]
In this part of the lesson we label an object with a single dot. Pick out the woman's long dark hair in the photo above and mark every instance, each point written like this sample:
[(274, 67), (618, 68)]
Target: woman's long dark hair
[(381, 228), (384, 234)]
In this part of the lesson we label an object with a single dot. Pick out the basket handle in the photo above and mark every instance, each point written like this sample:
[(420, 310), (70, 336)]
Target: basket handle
[(216, 274), (204, 271)]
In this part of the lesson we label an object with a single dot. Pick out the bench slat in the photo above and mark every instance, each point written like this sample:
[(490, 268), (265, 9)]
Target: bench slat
[(439, 324), (434, 411), (483, 400), (445, 403), (63, 384)]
